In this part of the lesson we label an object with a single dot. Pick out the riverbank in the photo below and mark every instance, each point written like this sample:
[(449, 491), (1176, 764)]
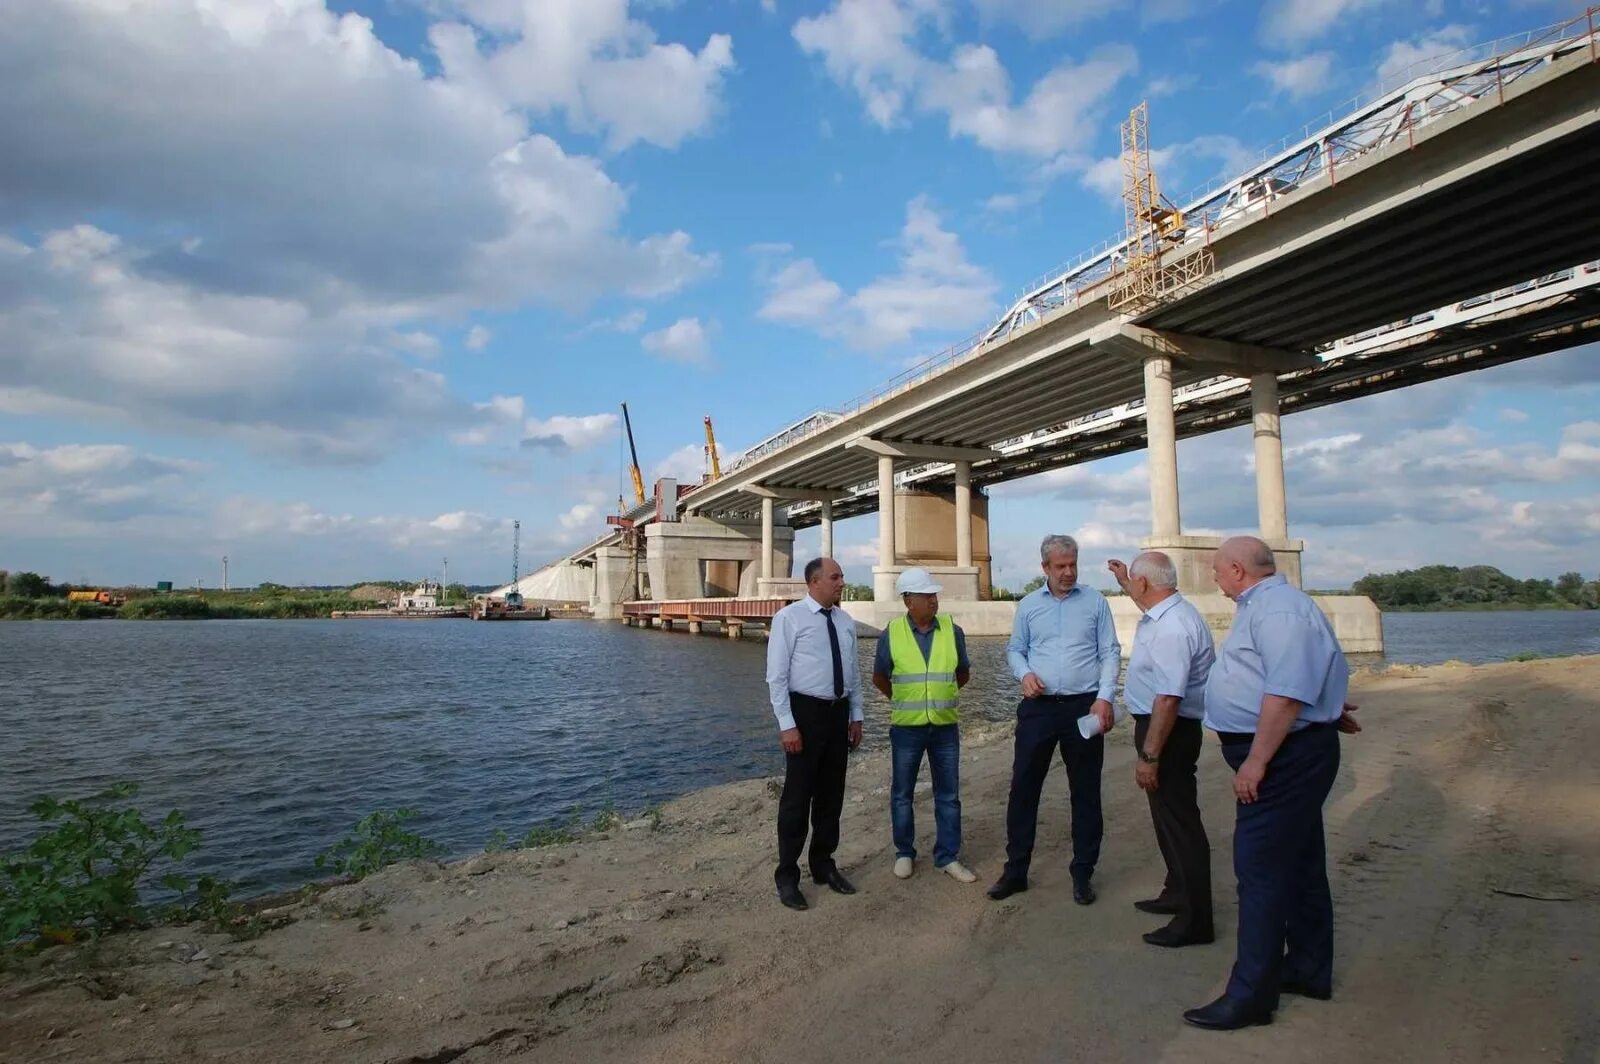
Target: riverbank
[(1461, 850)]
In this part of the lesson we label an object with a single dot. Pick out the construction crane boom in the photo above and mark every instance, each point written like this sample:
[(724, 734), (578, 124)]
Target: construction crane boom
[(633, 455), (712, 461)]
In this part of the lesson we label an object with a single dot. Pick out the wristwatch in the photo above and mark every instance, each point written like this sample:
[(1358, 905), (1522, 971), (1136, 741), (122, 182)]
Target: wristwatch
[(1146, 758)]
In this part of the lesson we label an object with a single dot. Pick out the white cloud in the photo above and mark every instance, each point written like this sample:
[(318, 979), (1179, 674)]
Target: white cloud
[(685, 340), (935, 288), (307, 200), (1513, 415), (588, 59), (1178, 165), (492, 420), (477, 338), (1043, 20), (1298, 78), (1292, 23), (75, 485), (566, 433), (685, 465), (630, 322), (1420, 54), (870, 46)]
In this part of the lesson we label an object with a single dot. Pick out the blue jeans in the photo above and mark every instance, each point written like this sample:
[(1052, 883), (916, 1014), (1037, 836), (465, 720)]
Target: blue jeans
[(942, 743)]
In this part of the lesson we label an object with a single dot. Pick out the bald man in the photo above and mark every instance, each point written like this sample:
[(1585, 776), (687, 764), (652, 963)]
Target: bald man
[(1275, 698)]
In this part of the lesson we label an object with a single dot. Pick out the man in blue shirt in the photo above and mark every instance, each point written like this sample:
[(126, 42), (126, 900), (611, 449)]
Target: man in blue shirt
[(1275, 698), (1165, 691), (815, 689), (1064, 650)]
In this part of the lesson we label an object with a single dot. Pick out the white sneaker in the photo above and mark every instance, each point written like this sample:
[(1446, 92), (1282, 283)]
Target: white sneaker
[(902, 867), (959, 872)]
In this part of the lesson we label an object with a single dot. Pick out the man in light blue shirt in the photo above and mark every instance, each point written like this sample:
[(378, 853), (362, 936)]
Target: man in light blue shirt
[(1276, 701), (1165, 691), (815, 687), (1065, 652)]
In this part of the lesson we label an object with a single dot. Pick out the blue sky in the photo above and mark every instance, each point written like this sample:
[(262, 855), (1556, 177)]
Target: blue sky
[(341, 288)]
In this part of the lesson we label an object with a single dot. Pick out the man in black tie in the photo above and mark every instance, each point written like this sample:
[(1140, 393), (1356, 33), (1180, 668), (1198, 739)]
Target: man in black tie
[(815, 687)]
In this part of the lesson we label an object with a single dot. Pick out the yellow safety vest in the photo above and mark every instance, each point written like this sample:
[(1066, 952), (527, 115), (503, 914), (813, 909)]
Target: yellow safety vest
[(924, 690)]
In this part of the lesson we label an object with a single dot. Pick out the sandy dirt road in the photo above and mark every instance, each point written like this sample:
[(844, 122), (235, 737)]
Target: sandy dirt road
[(1464, 852)]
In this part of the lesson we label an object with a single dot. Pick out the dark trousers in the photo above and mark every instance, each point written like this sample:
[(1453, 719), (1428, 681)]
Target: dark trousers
[(813, 786), (1043, 726), (1175, 810), (1281, 861)]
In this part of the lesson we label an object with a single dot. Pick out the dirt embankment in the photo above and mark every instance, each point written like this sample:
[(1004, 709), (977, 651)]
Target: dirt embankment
[(1463, 848)]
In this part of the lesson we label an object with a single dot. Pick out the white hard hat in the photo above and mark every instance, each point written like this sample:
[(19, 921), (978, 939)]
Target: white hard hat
[(916, 581)]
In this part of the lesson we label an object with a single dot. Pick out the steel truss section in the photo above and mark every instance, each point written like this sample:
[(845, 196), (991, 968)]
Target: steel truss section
[(1423, 93)]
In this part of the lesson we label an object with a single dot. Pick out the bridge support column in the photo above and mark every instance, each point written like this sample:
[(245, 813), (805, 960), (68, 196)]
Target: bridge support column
[(827, 527), (885, 572), (1271, 498), (766, 539), (1162, 454), (963, 514)]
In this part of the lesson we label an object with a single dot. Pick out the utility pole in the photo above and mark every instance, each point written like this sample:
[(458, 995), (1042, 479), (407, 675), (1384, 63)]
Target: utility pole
[(224, 572), (444, 588)]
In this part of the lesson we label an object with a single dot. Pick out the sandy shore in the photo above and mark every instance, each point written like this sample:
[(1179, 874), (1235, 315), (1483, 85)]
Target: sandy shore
[(1464, 849)]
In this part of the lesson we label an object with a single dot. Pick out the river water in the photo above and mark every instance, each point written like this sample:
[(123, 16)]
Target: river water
[(274, 737)]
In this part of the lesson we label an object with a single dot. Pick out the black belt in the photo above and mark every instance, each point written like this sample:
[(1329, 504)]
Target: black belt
[(1229, 738), (1065, 698), (843, 700)]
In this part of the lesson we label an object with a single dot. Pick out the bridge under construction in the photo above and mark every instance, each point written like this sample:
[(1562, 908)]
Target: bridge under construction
[(1448, 224)]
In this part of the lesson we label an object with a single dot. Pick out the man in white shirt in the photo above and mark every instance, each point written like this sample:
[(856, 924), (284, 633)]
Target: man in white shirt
[(815, 687), (1165, 690)]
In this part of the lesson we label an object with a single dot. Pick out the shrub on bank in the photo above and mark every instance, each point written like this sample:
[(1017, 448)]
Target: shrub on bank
[(83, 874)]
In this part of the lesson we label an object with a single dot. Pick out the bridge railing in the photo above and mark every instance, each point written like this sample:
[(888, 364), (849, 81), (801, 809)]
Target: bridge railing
[(1397, 107)]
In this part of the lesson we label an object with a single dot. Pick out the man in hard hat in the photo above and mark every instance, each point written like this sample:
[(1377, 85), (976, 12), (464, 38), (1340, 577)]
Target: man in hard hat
[(921, 666)]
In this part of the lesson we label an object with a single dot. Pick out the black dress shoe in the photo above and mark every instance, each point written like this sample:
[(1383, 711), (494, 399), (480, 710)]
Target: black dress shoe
[(1295, 986), (1226, 1014), (1157, 906), (835, 882), (789, 894), (1082, 892), (1166, 936), (1005, 887)]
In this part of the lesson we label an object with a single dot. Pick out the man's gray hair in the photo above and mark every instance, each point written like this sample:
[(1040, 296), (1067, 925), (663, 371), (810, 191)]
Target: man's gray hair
[(1055, 544), (1156, 568)]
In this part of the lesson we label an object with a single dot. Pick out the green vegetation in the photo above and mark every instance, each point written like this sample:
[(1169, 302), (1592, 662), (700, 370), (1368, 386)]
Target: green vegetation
[(379, 840), (83, 874), (1476, 587), (29, 596)]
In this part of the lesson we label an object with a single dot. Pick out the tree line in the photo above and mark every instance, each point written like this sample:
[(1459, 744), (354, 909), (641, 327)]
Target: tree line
[(1475, 587)]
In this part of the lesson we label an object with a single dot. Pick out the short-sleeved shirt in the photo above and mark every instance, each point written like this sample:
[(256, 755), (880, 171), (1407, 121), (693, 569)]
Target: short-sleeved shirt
[(1172, 655), (1280, 644), (883, 661)]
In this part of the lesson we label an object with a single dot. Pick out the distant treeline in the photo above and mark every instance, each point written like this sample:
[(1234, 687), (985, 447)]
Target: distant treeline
[(29, 596), (1476, 587)]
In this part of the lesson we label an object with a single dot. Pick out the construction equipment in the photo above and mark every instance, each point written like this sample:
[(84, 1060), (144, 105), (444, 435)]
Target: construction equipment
[(712, 462), (1155, 225), (633, 455), (103, 598), (514, 596)]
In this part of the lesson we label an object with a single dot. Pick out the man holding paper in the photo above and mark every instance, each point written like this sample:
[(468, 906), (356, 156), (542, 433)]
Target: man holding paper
[(1165, 690), (1064, 650)]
